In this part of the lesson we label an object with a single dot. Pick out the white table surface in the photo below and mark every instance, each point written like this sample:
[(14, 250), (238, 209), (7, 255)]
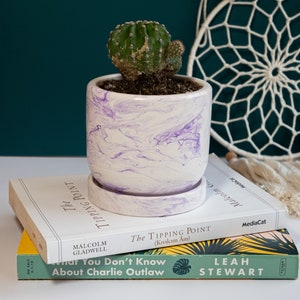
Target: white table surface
[(10, 233)]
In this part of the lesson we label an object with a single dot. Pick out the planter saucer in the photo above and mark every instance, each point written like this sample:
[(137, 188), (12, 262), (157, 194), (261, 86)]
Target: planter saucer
[(145, 205)]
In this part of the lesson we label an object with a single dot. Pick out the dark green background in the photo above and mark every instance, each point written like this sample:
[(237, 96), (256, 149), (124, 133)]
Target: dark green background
[(50, 49)]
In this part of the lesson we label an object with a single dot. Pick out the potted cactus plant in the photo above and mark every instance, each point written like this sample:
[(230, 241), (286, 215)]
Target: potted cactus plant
[(147, 128)]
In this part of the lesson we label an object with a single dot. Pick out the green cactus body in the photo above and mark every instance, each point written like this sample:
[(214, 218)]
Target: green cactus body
[(174, 57), (141, 47)]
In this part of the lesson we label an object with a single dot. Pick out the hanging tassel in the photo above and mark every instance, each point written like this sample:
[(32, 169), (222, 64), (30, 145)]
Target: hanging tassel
[(280, 179)]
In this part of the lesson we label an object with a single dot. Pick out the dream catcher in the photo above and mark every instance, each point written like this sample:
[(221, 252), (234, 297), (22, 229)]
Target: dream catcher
[(249, 51)]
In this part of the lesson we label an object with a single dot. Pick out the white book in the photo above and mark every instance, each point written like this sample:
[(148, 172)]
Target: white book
[(64, 225)]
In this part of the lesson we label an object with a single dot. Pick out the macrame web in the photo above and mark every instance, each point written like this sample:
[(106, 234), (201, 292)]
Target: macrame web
[(249, 52)]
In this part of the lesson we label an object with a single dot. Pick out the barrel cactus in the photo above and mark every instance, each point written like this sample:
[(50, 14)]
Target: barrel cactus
[(144, 47)]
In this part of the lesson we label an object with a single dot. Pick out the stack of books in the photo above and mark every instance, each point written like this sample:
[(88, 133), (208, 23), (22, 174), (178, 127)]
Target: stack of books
[(238, 233)]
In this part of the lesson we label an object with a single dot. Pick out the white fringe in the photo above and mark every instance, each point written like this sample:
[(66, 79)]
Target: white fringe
[(280, 179)]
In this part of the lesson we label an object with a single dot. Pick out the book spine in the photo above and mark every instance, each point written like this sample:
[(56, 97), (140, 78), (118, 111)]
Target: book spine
[(168, 236), (84, 248), (90, 247), (143, 266)]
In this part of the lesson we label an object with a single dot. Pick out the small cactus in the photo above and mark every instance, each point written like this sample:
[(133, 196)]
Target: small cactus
[(144, 47)]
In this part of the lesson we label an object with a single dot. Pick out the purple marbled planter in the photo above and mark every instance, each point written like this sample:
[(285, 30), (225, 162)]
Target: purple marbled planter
[(148, 145)]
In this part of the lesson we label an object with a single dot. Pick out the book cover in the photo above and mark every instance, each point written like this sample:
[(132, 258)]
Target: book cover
[(267, 255), (64, 225)]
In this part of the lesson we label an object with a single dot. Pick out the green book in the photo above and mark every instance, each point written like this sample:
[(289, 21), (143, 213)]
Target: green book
[(266, 255)]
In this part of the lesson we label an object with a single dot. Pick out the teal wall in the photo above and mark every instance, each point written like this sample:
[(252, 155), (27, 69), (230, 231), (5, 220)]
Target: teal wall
[(50, 49)]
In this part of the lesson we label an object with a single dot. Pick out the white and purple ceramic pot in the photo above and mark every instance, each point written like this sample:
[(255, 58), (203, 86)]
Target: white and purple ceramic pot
[(147, 149)]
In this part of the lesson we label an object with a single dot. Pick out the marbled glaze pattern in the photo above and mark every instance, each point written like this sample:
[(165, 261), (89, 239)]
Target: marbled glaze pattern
[(148, 144), (147, 206)]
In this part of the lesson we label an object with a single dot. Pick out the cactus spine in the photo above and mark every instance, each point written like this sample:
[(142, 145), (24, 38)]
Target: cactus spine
[(144, 47)]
